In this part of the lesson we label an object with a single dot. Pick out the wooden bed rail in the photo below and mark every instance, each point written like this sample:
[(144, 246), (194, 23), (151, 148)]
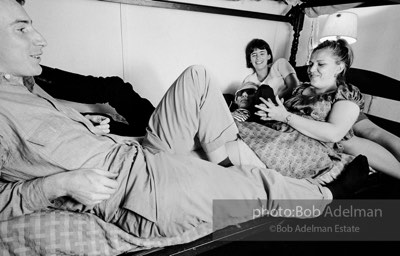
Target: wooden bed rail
[(203, 8)]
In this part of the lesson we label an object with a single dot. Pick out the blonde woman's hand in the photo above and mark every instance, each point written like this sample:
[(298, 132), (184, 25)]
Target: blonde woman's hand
[(269, 111)]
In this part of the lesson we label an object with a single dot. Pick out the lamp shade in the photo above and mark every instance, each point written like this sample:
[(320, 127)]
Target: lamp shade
[(340, 25)]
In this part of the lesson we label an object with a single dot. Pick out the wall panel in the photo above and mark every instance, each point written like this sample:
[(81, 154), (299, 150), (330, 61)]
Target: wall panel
[(83, 36)]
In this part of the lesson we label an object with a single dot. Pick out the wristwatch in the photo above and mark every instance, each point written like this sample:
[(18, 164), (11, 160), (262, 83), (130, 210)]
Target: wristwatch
[(288, 118)]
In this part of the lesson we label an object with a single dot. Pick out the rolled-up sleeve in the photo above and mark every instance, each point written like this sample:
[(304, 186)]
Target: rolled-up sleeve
[(19, 198)]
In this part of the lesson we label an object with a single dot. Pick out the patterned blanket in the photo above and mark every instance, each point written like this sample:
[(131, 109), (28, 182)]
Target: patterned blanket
[(59, 232), (63, 233), (293, 154)]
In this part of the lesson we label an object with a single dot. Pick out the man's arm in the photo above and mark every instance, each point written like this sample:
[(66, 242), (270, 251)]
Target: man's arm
[(86, 186), (19, 198)]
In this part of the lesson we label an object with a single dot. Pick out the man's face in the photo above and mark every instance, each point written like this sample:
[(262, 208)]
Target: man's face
[(20, 44), (244, 98)]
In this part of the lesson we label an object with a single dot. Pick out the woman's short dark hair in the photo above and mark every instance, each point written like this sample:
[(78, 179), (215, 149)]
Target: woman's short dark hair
[(343, 53), (257, 44), (21, 2)]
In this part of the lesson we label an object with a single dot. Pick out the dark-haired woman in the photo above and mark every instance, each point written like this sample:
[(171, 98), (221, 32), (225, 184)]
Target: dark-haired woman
[(279, 76)]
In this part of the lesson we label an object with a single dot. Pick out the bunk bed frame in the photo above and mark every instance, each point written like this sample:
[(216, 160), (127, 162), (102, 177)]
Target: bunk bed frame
[(222, 241)]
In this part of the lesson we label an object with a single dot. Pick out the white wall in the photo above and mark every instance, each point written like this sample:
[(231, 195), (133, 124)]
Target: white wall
[(148, 46), (83, 35)]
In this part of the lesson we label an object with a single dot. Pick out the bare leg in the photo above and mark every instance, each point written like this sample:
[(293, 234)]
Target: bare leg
[(379, 158), (368, 130)]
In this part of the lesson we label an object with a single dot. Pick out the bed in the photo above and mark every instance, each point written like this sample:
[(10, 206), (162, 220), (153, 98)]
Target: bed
[(66, 233)]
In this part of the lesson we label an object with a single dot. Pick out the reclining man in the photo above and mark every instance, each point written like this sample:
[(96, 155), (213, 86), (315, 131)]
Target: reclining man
[(52, 157)]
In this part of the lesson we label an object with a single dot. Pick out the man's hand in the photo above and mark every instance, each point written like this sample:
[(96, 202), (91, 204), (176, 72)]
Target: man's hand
[(241, 114), (87, 186), (101, 123)]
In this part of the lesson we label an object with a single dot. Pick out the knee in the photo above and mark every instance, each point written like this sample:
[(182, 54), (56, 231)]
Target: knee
[(197, 72), (368, 130), (197, 68), (198, 75), (371, 133)]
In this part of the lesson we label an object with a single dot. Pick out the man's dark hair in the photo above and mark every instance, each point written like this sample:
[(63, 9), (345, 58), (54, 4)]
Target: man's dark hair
[(21, 2)]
